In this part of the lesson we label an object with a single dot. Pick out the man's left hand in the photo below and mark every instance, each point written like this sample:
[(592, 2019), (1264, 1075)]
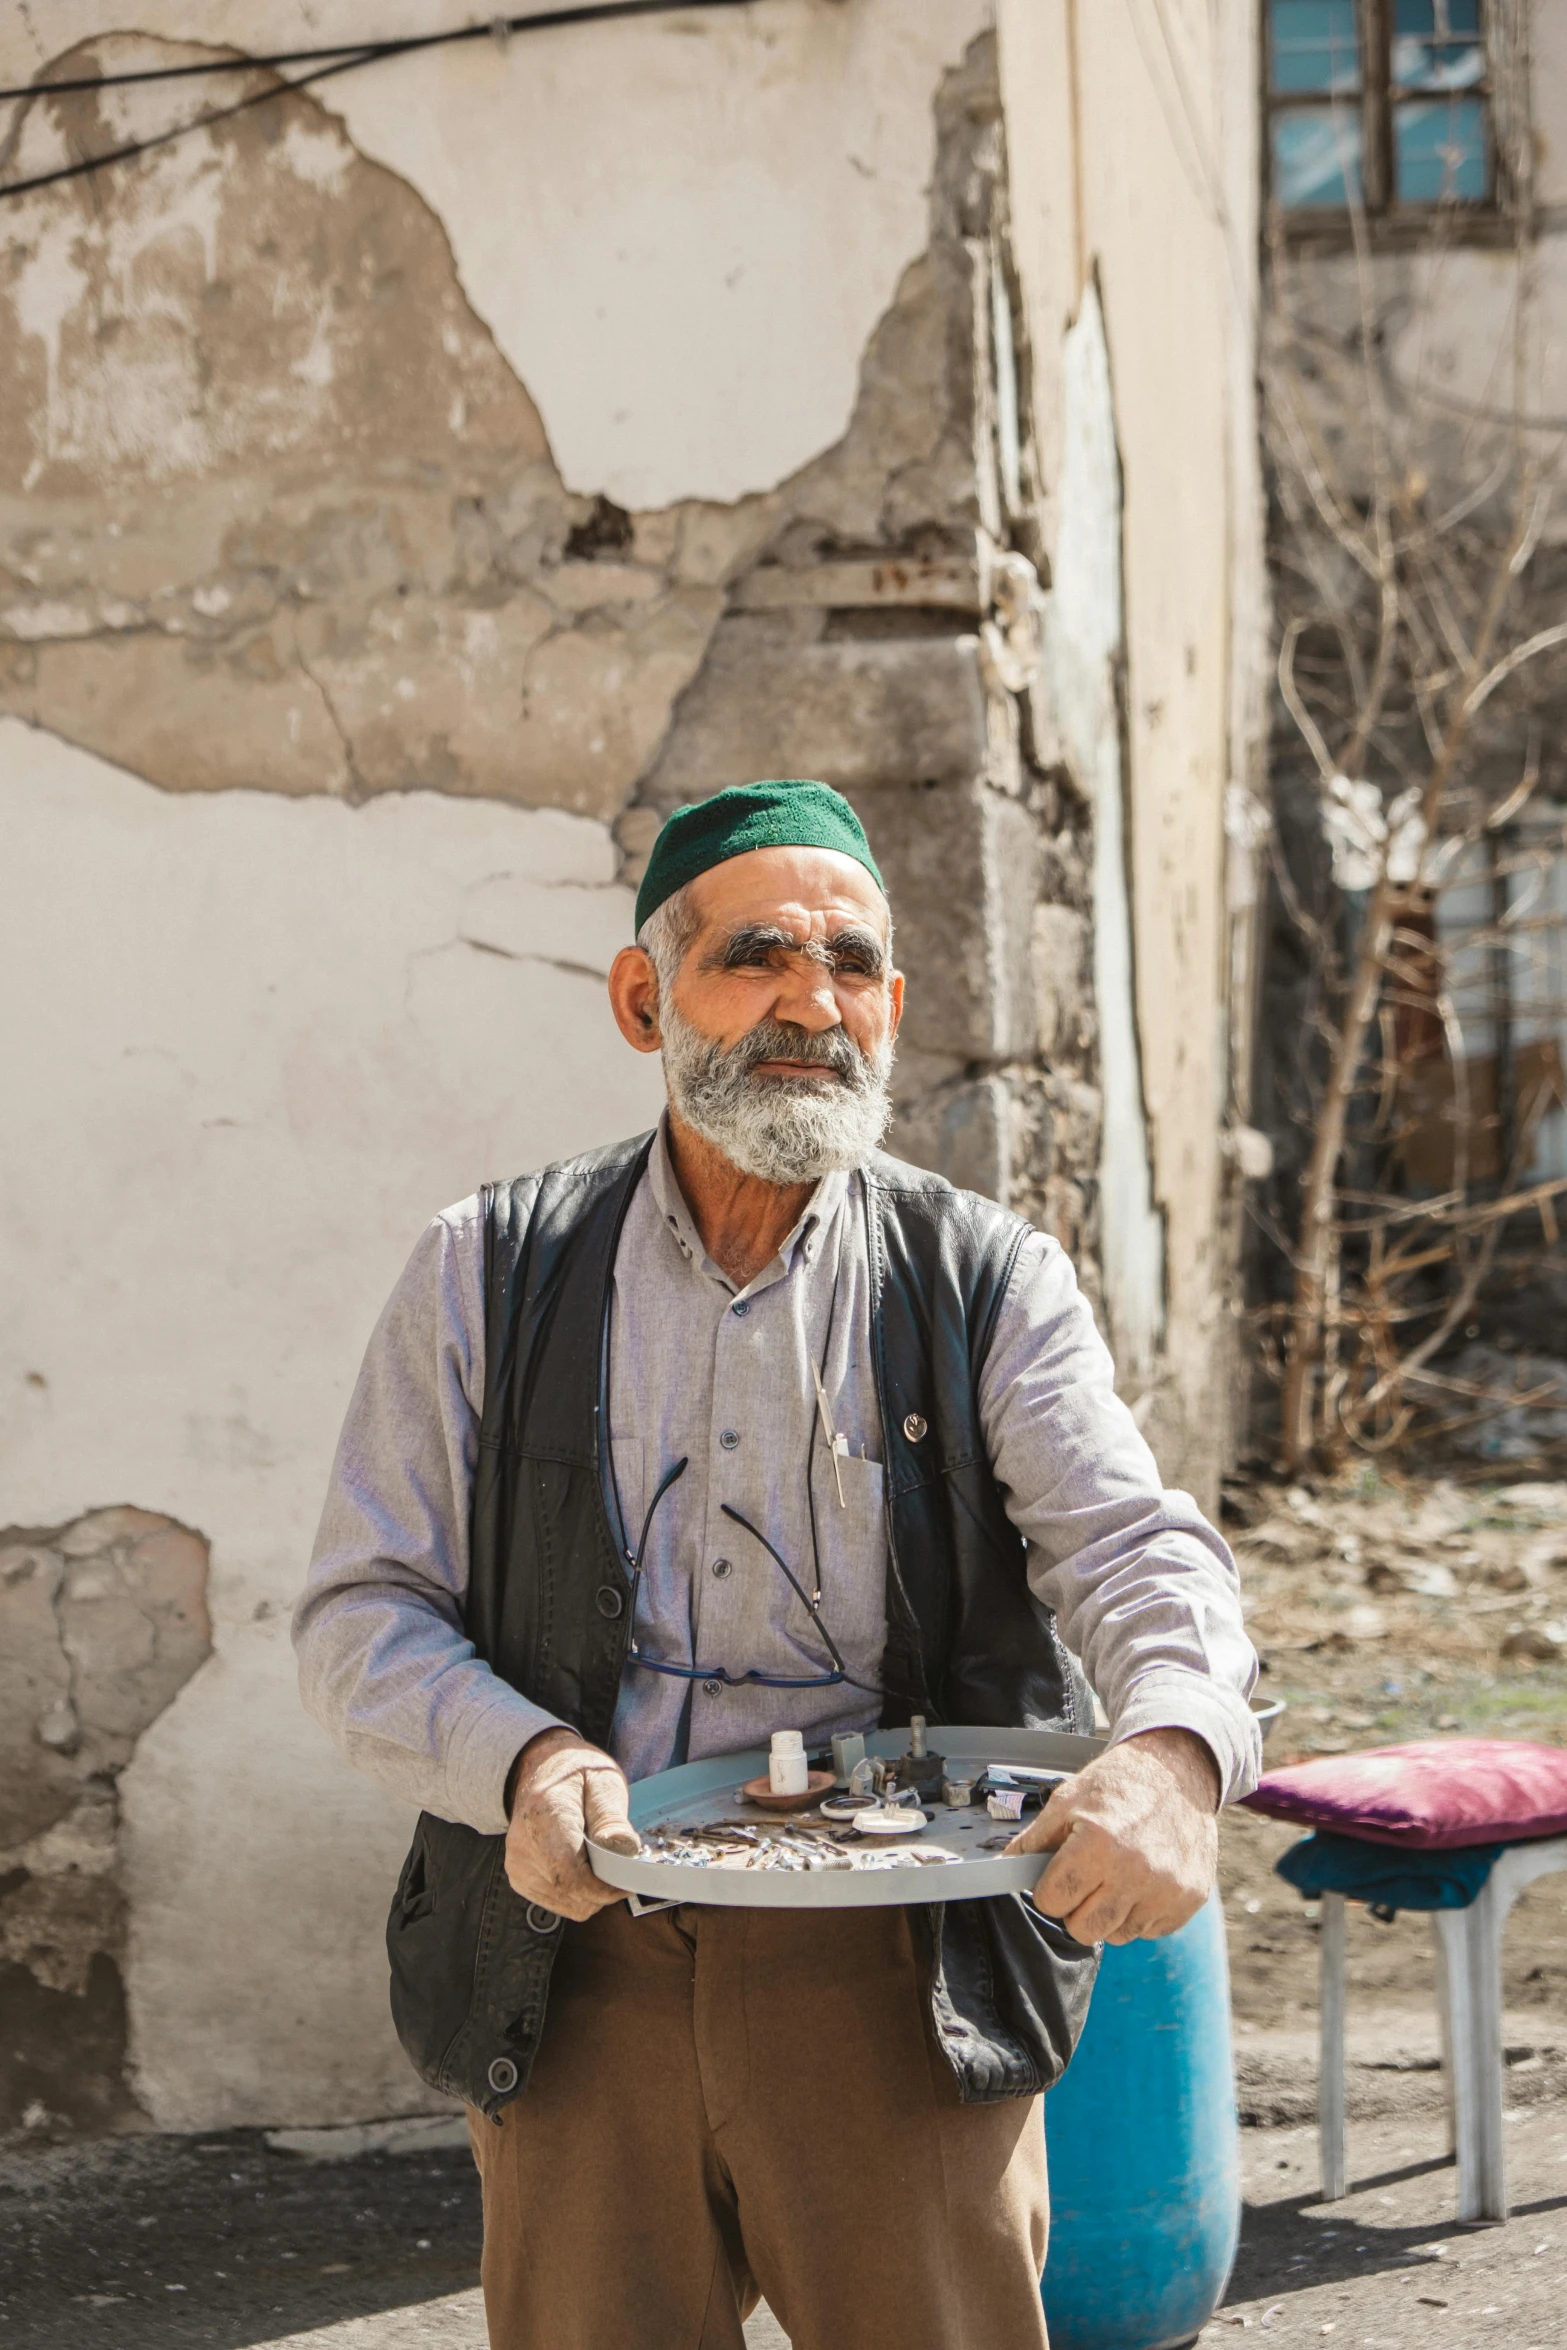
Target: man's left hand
[(1135, 1840)]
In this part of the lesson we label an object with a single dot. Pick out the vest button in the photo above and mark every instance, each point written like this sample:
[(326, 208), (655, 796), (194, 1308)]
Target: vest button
[(542, 1920), (610, 1602), (729, 1439), (502, 2076), (712, 1689), (722, 1568), (914, 1427)]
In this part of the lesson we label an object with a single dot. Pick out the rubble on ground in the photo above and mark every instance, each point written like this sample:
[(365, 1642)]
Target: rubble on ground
[(1389, 1607)]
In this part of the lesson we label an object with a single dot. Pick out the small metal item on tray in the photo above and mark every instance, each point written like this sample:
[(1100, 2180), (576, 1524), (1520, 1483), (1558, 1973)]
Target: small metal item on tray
[(919, 1768), (1033, 1782), (957, 1794)]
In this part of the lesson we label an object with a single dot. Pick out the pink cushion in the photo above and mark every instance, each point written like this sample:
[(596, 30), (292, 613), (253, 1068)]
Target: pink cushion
[(1441, 1793)]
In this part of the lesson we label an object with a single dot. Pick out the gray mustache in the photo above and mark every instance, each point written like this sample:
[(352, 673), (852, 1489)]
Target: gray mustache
[(776, 1040)]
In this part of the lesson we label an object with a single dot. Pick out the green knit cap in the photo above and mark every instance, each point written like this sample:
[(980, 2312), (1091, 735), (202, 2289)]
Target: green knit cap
[(793, 814)]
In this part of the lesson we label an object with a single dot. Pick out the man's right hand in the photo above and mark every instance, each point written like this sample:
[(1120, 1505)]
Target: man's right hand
[(566, 1791)]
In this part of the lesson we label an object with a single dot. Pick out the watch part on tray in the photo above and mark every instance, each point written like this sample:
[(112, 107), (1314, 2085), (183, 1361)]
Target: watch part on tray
[(784, 1844)]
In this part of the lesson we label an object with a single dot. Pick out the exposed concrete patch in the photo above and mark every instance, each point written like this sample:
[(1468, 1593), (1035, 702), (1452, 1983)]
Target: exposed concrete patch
[(274, 511), (102, 1622), (883, 636)]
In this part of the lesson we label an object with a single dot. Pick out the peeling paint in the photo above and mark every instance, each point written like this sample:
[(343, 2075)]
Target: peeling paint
[(327, 571), (102, 1623)]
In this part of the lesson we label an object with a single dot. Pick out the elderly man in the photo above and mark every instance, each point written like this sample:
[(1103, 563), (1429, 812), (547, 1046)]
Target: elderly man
[(737, 1427)]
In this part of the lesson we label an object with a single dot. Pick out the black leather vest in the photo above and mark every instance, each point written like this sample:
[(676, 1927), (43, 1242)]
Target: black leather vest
[(548, 1591)]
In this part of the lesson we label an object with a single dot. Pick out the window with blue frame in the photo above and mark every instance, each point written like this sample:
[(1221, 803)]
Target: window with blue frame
[(1384, 104)]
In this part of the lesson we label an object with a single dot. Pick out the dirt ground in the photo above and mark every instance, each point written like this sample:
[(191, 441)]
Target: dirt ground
[(1397, 1608), (225, 2242)]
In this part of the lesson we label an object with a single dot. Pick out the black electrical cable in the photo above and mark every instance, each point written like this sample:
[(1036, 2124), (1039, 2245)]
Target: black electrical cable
[(347, 55), (92, 163), (184, 73)]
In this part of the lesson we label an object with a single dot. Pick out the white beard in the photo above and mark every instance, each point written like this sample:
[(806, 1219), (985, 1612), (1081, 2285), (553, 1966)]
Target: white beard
[(780, 1129)]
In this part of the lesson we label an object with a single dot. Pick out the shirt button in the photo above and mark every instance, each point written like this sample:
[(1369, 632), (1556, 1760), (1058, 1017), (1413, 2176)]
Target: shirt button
[(729, 1439), (721, 1568), (741, 1306), (712, 1689)]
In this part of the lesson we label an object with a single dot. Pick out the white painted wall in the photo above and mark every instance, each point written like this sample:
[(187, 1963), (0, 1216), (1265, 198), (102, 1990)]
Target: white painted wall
[(251, 1045), (1142, 182), (680, 231), (1085, 643)]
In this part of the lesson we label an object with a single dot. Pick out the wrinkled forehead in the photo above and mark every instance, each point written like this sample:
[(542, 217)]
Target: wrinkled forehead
[(807, 893)]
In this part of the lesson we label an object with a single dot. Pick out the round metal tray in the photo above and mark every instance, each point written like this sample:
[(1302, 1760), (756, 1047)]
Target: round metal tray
[(698, 1793)]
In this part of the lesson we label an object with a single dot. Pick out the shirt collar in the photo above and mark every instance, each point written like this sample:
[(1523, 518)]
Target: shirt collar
[(802, 1242)]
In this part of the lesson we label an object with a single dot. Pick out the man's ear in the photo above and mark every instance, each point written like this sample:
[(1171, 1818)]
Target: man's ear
[(633, 998)]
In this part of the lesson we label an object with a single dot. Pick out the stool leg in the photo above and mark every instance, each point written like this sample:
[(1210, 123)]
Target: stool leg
[(1488, 1913), (1455, 1932), (1444, 2023), (1330, 2067)]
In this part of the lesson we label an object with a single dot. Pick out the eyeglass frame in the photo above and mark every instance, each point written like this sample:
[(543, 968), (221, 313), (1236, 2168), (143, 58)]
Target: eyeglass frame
[(721, 1673)]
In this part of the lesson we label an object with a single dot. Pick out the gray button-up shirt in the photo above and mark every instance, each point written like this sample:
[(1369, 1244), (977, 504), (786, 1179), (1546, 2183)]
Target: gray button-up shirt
[(1145, 1590)]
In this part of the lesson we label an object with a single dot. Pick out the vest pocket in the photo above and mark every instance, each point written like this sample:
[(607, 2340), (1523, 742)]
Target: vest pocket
[(433, 1938)]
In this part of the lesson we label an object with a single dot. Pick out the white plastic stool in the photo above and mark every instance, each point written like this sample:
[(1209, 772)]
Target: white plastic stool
[(1469, 1990)]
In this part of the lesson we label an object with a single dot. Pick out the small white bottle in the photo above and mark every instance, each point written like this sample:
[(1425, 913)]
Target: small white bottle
[(787, 1773)]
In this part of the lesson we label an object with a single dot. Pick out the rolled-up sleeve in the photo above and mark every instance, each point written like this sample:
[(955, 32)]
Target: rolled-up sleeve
[(384, 1663), (1145, 1590)]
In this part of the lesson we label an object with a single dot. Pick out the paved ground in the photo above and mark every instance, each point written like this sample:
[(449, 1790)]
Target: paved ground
[(159, 2243)]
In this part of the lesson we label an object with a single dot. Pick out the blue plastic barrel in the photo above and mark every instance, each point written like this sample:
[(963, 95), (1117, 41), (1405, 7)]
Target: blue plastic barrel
[(1144, 2157)]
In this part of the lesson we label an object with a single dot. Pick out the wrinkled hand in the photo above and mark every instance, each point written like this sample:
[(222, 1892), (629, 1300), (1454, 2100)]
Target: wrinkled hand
[(1135, 1840), (566, 1791)]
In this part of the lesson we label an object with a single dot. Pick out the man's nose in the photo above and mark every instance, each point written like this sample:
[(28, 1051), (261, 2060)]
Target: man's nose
[(806, 999)]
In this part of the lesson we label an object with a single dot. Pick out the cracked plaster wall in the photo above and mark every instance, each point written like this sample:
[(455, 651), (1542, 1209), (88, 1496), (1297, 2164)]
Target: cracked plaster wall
[(322, 688), (644, 205), (363, 608)]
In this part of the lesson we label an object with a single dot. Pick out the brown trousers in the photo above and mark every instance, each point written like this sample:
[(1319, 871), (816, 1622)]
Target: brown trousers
[(730, 2101)]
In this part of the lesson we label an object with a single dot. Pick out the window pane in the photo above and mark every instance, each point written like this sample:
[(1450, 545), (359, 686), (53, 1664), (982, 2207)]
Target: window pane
[(1437, 47), (1314, 46), (1459, 20), (1439, 151), (1316, 156)]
